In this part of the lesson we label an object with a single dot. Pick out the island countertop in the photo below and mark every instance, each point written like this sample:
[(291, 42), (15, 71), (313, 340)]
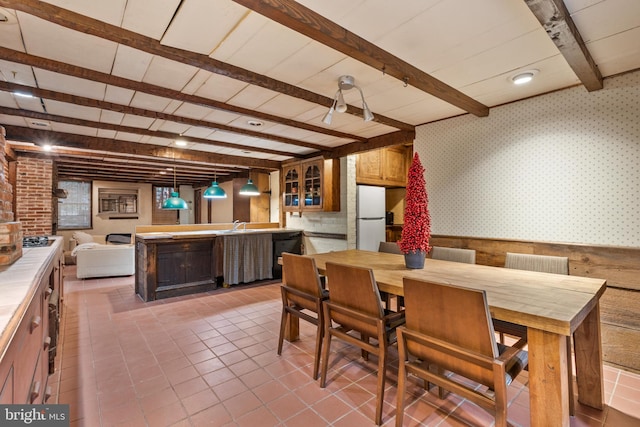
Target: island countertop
[(18, 283), (211, 233)]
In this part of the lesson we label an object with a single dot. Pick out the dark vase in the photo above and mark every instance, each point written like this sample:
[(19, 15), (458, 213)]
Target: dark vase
[(414, 259)]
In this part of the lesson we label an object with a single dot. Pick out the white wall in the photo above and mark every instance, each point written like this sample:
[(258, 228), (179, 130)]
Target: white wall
[(562, 167)]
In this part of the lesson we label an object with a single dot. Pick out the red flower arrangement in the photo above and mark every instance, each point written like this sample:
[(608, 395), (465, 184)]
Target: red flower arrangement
[(417, 221)]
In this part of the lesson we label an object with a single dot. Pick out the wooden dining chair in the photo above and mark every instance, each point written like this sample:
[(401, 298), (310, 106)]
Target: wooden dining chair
[(355, 306), (302, 295), (452, 344), (530, 262), (389, 248), (467, 256), (542, 264)]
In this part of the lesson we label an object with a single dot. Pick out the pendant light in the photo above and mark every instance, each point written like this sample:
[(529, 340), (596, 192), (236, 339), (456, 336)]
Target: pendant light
[(249, 189), (215, 191), (174, 202)]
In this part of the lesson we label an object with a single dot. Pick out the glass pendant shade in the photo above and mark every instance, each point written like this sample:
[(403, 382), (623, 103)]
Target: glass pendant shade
[(175, 202), (214, 192), (249, 189)]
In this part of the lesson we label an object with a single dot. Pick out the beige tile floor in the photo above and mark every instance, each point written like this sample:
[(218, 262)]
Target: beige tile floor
[(210, 360)]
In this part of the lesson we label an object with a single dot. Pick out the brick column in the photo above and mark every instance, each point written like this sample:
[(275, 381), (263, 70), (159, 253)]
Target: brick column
[(34, 194)]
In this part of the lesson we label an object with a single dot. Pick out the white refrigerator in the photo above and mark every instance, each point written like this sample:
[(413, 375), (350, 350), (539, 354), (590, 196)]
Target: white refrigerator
[(370, 217)]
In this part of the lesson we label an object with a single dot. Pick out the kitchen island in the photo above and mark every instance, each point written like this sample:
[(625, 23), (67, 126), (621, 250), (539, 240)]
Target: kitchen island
[(181, 262)]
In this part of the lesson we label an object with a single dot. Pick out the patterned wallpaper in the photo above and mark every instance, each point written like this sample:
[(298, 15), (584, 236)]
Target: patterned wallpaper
[(562, 167)]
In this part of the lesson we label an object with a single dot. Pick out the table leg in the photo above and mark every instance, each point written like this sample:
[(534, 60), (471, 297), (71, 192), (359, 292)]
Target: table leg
[(292, 331), (588, 348), (548, 379)]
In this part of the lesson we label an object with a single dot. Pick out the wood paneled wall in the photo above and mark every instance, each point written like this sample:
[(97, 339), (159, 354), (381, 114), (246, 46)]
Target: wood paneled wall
[(620, 266)]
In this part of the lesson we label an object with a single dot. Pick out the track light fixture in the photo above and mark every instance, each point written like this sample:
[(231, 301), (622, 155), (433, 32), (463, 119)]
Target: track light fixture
[(346, 83)]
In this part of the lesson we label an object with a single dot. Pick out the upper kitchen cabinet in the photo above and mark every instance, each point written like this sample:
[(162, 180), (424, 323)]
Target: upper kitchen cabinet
[(386, 167), (311, 185)]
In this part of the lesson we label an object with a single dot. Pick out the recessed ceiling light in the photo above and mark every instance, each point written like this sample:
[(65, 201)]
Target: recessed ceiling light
[(181, 143), (23, 94), (523, 77), (47, 147), (163, 172), (255, 123)]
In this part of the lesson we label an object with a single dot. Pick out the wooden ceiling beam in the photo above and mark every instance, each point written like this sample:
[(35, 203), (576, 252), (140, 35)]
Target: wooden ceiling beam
[(138, 131), (556, 20), (82, 23), (125, 109), (115, 146), (96, 76), (303, 20)]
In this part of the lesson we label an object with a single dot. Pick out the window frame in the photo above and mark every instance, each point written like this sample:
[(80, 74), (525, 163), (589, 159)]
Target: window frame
[(71, 193)]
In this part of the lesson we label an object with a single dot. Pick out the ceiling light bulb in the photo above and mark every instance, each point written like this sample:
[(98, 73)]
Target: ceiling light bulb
[(181, 143), (523, 78), (341, 106)]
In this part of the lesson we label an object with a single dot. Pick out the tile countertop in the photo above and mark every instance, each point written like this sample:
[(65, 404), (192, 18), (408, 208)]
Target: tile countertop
[(18, 282)]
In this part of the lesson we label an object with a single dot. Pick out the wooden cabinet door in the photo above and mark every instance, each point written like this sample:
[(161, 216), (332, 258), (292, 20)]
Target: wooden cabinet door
[(395, 166), (369, 167)]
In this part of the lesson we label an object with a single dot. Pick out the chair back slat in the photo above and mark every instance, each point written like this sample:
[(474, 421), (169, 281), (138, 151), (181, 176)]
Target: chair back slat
[(354, 288), (467, 256), (300, 272), (541, 263), (457, 315)]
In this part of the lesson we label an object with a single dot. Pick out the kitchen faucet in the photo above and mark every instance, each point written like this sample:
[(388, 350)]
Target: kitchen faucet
[(237, 224)]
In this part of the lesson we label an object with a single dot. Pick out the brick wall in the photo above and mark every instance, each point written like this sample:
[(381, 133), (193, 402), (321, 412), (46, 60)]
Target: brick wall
[(6, 191), (33, 196)]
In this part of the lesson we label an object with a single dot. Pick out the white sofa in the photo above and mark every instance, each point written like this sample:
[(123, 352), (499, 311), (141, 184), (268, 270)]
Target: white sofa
[(94, 258)]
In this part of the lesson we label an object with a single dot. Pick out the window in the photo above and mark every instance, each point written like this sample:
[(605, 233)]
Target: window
[(74, 212), (163, 216)]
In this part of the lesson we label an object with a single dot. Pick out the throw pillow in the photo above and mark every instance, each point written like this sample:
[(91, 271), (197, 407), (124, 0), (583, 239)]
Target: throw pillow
[(82, 237)]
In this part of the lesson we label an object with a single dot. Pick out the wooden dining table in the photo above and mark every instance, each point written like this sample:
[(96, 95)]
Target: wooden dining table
[(553, 307)]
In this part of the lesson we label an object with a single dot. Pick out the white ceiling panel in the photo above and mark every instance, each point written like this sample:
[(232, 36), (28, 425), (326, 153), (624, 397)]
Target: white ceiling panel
[(201, 25), (607, 18), (17, 73), (192, 111), (131, 137), (112, 117), (286, 106), (70, 110), (110, 12), (10, 35), (220, 116), (31, 104), (305, 63), (198, 132), (618, 53), (169, 74), (42, 38), (73, 129), (7, 100), (173, 127), (196, 81), (131, 63), (149, 102), (172, 106), (149, 17), (137, 121), (106, 133), (241, 34), (252, 97), (220, 88), (12, 121), (67, 84), (118, 95)]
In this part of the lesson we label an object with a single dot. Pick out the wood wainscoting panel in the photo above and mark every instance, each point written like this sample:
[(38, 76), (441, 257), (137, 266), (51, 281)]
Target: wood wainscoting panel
[(620, 266)]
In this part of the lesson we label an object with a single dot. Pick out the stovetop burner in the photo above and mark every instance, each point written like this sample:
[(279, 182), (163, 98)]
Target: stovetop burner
[(35, 241)]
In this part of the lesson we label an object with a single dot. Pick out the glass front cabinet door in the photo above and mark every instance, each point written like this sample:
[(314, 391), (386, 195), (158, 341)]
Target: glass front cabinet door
[(290, 185), (311, 185)]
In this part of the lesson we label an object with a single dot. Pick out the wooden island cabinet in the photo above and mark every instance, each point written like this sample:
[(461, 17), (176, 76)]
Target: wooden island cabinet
[(181, 262)]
